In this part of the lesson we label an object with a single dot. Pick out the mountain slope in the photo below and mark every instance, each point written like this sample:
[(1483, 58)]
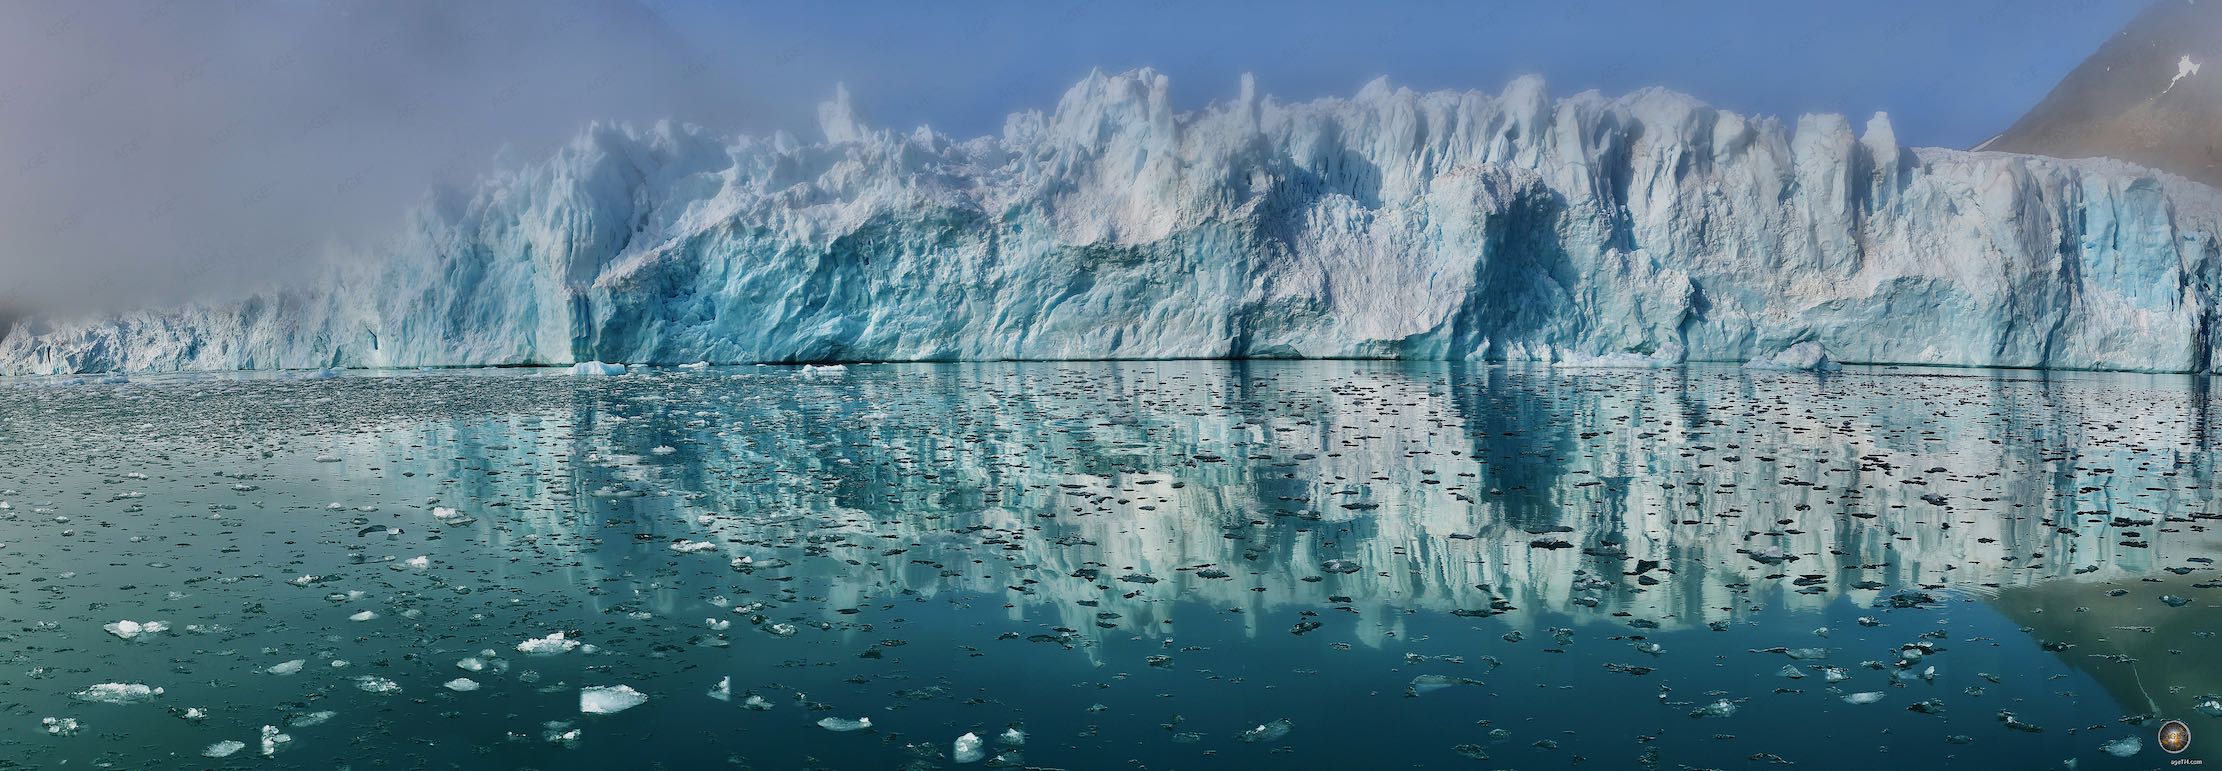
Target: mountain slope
[(1647, 229), (2150, 95)]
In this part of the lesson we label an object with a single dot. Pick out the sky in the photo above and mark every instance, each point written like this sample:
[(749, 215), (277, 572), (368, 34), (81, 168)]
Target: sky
[(156, 152)]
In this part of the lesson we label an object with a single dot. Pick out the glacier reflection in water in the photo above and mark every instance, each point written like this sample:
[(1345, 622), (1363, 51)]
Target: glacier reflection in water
[(1176, 564)]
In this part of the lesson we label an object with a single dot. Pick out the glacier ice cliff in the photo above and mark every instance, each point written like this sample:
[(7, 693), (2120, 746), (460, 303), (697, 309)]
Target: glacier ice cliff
[(1648, 229)]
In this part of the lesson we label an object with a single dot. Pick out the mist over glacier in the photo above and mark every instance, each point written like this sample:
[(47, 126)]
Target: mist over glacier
[(1648, 229)]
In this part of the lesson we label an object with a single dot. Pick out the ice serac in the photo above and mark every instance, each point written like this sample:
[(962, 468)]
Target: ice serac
[(1644, 230)]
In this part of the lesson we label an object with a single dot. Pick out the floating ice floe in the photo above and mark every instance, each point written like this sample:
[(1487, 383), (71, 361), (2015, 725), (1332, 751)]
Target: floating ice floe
[(272, 740), (62, 726), (559, 732), (2123, 747), (224, 749), (461, 685), (117, 693), (1722, 708), (363, 615), (830, 370), (968, 749), (1863, 697), (692, 547), (842, 725), (696, 365), (418, 562), (597, 368), (376, 684), (609, 699), (1267, 732), (287, 668), (131, 629), (550, 645)]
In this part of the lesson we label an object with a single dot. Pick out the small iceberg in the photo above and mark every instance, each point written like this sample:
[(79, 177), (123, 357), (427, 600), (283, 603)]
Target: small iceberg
[(969, 749), (376, 684), (1268, 732), (597, 368), (830, 370), (272, 740), (132, 629), (609, 699), (117, 693), (550, 645), (840, 725)]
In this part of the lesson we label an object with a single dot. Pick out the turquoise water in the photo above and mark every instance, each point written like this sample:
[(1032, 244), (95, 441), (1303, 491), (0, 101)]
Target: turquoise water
[(1138, 565)]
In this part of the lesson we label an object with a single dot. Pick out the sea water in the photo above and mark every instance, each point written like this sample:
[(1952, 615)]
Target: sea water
[(1099, 565)]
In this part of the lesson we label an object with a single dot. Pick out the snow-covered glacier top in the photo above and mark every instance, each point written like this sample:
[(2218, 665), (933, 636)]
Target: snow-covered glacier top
[(1645, 229)]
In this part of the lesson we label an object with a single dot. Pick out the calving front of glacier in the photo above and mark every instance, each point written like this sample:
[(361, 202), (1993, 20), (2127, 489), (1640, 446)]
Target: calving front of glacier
[(1648, 229)]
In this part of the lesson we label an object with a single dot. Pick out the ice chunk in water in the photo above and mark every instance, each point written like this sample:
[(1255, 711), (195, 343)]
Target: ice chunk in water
[(418, 562), (2123, 747), (287, 668), (608, 699), (363, 616), (692, 547), (559, 732), (838, 724), (1863, 697), (550, 645), (376, 684), (968, 749), (1722, 708), (597, 368), (130, 629), (224, 749), (1012, 736), (830, 370), (1268, 732), (272, 740), (723, 691), (461, 685), (117, 693), (62, 726)]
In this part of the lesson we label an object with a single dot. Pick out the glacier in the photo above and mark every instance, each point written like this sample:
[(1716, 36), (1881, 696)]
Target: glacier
[(1643, 230)]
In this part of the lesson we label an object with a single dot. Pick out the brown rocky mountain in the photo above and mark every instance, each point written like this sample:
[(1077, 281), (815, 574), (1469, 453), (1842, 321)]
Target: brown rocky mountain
[(2151, 95)]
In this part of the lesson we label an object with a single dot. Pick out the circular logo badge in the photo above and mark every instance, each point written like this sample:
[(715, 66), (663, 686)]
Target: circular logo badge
[(2175, 737)]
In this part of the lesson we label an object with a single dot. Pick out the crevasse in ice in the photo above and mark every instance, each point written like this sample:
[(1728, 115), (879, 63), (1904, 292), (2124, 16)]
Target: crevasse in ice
[(1645, 230)]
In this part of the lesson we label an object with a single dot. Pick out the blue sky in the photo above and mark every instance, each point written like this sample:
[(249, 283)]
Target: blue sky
[(1950, 73)]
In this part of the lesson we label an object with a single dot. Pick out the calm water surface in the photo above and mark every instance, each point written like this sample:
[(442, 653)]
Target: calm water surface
[(1141, 565)]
